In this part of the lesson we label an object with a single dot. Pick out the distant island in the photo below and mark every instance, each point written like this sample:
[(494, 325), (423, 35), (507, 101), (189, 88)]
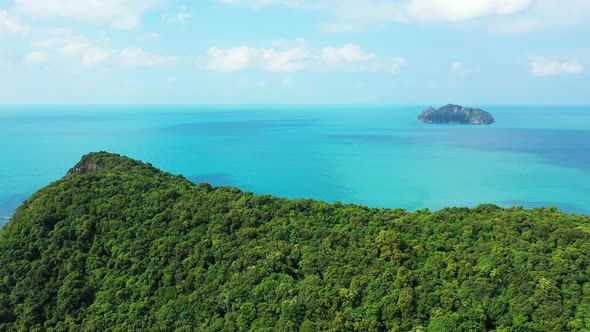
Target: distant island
[(456, 114)]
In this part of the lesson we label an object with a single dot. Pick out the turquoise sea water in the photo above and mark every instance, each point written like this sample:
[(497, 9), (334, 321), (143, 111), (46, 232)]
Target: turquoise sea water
[(377, 156)]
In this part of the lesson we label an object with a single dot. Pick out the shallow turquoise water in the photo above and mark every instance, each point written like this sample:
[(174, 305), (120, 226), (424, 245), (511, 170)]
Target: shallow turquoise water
[(377, 156)]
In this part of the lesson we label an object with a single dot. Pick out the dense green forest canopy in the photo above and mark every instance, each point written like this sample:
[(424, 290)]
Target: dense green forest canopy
[(120, 245)]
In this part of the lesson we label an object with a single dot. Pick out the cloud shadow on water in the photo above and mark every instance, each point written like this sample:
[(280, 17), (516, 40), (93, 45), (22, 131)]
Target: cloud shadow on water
[(370, 138), (233, 128), (568, 148)]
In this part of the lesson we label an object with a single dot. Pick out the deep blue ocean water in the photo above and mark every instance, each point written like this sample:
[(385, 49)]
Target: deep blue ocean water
[(377, 156)]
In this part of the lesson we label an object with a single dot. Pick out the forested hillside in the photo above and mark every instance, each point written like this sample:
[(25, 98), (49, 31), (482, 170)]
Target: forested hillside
[(120, 245)]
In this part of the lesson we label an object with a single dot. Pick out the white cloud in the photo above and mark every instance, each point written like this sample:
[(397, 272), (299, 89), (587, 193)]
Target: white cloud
[(396, 64), (349, 53), (353, 58), (293, 57), (35, 58), (229, 60), (460, 10), (284, 61), (270, 59), (505, 16), (376, 11), (546, 15), (64, 47), (264, 3), (152, 36), (63, 41), (456, 67), (11, 24), (182, 16), (137, 57), (424, 11), (122, 14), (95, 56), (459, 69), (543, 67)]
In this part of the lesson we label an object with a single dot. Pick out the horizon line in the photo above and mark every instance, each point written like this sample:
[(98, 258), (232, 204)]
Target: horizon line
[(276, 104)]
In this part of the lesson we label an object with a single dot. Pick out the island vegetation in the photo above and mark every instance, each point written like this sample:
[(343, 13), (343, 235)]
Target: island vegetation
[(120, 245), (456, 114)]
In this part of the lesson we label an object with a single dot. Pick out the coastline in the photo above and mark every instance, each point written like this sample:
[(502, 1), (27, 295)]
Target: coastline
[(375, 156)]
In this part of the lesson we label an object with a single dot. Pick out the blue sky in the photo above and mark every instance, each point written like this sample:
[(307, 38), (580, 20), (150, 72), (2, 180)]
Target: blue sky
[(295, 52)]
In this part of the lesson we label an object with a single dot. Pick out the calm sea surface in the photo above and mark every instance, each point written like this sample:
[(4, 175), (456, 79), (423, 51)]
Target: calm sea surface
[(377, 156)]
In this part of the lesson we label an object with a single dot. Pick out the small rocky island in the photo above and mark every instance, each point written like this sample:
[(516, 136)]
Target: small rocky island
[(456, 114)]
